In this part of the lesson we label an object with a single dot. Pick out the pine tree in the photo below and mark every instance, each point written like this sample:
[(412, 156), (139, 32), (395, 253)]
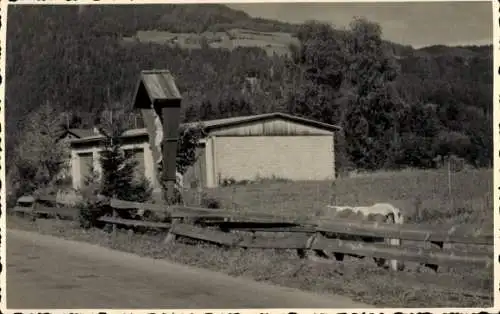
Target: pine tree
[(117, 178), (374, 109), (118, 170)]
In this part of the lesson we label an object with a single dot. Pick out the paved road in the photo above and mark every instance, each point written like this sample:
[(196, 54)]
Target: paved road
[(48, 272)]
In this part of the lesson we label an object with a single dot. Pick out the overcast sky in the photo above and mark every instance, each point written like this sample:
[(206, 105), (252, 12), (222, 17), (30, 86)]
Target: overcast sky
[(414, 23)]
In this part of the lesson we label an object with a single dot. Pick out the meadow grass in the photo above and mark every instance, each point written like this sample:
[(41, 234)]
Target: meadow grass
[(424, 191)]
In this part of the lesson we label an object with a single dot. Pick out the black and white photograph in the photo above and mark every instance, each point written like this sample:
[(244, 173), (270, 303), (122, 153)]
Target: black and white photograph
[(272, 155)]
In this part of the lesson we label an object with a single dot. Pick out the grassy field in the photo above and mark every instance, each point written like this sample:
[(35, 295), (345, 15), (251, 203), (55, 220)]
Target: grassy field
[(427, 191), (270, 42), (414, 191)]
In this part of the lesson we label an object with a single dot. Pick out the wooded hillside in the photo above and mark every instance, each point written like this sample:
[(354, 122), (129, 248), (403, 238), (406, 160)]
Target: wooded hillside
[(398, 106)]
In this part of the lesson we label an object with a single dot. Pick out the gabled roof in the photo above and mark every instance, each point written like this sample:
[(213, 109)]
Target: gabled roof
[(157, 85), (96, 137), (220, 123), (79, 133)]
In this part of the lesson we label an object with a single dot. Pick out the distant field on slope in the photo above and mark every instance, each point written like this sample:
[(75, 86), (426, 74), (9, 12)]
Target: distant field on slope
[(270, 42)]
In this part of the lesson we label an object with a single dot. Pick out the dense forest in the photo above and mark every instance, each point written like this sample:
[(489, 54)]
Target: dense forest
[(398, 106)]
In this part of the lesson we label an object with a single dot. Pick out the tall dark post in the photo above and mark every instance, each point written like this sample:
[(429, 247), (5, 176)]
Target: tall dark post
[(159, 101), (170, 115)]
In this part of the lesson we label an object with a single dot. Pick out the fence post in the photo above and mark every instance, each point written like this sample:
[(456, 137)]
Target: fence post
[(199, 191), (418, 209), (434, 267), (442, 246), (33, 215), (171, 237), (334, 200), (130, 235), (322, 253), (303, 253), (394, 264), (115, 215)]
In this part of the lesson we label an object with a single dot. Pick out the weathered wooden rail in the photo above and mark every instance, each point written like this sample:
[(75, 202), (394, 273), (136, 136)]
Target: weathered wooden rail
[(312, 235), (43, 207)]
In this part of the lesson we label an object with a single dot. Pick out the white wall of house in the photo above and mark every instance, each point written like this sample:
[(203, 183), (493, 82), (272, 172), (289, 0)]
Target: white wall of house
[(270, 148), (251, 157), (76, 155)]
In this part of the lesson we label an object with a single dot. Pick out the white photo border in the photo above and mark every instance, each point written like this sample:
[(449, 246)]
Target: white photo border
[(496, 173)]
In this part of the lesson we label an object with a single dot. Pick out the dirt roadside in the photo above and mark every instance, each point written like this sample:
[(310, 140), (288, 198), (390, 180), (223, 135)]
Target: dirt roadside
[(48, 272)]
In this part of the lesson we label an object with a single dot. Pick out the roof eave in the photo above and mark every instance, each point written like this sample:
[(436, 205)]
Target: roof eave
[(319, 125), (75, 134), (86, 140), (138, 87), (98, 138)]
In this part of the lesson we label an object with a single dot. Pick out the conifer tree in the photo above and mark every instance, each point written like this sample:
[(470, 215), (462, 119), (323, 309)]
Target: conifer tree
[(117, 178)]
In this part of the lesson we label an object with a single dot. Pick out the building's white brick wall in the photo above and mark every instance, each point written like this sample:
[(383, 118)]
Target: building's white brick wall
[(291, 157)]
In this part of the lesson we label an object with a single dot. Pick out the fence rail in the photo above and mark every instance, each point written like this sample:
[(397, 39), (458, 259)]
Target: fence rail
[(45, 207), (186, 212), (450, 234)]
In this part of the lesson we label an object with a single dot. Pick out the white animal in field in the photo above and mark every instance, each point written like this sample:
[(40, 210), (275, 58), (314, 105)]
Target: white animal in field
[(384, 210), (379, 212)]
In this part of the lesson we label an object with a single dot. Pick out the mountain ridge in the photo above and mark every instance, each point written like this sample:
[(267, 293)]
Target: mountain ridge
[(219, 17)]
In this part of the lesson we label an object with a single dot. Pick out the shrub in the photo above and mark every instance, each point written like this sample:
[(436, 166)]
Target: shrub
[(89, 213), (186, 146), (210, 202), (11, 200), (23, 178), (227, 182), (90, 207), (66, 182), (140, 190), (273, 178)]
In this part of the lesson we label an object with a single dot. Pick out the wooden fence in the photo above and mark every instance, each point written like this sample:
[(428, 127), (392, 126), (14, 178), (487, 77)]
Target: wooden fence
[(44, 207), (308, 235)]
